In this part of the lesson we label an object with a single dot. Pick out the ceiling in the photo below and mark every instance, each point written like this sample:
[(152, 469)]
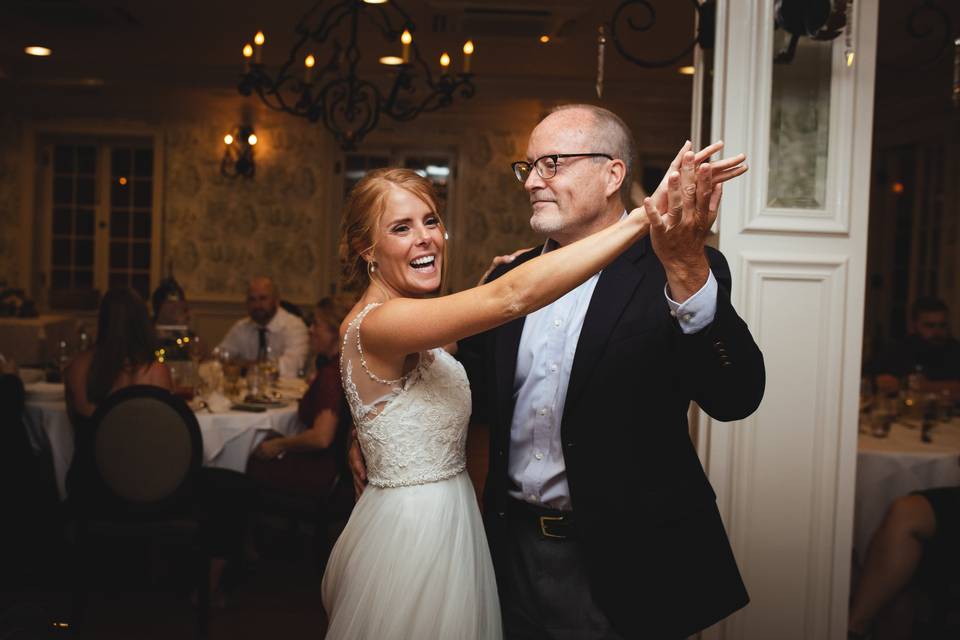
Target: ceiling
[(176, 43)]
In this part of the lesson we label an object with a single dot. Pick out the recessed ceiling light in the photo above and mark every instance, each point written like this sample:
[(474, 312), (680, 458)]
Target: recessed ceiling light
[(544, 39), (686, 71), (37, 50), (375, 1), (391, 60)]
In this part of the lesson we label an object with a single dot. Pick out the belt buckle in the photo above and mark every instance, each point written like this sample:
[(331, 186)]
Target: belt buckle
[(543, 527)]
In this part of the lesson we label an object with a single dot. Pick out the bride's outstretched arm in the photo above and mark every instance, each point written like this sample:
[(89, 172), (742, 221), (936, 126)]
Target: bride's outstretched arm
[(404, 325)]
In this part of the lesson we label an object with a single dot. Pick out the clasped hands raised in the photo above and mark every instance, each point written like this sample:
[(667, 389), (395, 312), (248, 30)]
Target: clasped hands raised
[(681, 212)]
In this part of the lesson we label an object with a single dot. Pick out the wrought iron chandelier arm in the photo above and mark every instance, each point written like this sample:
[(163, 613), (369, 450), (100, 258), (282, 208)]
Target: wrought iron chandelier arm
[(381, 19), (331, 20), (647, 25)]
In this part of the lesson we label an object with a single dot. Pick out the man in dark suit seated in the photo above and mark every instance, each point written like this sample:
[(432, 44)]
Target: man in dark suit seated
[(600, 518)]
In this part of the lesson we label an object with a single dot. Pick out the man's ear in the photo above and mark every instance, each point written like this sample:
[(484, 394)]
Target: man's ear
[(616, 173)]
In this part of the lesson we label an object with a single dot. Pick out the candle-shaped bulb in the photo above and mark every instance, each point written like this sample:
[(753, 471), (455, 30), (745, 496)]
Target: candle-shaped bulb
[(228, 139), (308, 71), (467, 53), (444, 61), (252, 139), (247, 51), (258, 40), (406, 39)]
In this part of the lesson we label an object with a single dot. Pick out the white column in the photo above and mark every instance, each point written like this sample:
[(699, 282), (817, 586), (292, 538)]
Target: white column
[(794, 230)]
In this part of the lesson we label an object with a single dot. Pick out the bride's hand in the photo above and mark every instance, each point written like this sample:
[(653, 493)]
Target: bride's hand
[(496, 262), (358, 469)]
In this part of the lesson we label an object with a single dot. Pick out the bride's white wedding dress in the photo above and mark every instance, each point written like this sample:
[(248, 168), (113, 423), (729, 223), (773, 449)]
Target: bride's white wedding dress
[(413, 560)]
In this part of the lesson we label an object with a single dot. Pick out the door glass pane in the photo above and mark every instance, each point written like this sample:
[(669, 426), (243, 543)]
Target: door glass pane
[(83, 257), (85, 191), (799, 125), (120, 192), (63, 190), (119, 255), (72, 218), (61, 221), (121, 163), (436, 169), (63, 158), (143, 163), (142, 193), (85, 222), (357, 166), (141, 224)]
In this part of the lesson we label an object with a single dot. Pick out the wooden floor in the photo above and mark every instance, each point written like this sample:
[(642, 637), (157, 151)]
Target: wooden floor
[(277, 596)]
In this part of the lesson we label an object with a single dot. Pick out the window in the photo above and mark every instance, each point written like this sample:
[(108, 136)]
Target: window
[(97, 199), (437, 168)]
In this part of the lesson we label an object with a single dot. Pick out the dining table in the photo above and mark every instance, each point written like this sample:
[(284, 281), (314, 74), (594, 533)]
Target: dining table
[(897, 463), (229, 437)]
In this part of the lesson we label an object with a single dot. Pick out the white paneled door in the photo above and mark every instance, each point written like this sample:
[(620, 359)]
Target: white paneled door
[(794, 232)]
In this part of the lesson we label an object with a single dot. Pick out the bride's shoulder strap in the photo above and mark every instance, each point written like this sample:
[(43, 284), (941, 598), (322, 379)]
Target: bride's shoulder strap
[(355, 345)]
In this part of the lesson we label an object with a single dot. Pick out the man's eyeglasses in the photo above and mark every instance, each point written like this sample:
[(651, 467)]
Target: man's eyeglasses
[(547, 165)]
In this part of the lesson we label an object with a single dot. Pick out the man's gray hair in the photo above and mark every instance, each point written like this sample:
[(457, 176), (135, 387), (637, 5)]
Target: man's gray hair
[(613, 136)]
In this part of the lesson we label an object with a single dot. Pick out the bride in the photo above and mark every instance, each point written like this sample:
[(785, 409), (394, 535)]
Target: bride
[(413, 560)]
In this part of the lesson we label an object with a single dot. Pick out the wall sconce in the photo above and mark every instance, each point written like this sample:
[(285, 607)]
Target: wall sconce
[(238, 153)]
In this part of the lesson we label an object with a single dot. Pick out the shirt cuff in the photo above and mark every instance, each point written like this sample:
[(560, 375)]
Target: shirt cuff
[(699, 310)]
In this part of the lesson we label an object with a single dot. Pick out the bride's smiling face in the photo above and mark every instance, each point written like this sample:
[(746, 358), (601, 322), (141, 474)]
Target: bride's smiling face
[(409, 248)]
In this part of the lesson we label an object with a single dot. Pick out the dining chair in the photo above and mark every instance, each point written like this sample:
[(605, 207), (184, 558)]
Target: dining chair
[(146, 453)]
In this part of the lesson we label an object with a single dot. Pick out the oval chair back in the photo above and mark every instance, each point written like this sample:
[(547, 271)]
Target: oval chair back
[(147, 450)]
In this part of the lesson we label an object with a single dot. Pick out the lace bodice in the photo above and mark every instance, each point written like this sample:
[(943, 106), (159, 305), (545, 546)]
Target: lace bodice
[(412, 430)]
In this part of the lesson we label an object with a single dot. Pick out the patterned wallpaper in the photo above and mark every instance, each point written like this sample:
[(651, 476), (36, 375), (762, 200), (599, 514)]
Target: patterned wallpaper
[(495, 210), (219, 232)]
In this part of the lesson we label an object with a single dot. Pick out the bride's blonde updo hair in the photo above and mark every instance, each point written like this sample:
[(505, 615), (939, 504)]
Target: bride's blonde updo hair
[(361, 219)]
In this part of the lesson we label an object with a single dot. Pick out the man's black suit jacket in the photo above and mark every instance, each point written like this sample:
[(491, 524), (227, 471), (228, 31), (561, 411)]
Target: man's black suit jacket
[(657, 553)]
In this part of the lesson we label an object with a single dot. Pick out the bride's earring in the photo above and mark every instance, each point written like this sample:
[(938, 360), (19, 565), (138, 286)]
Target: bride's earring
[(371, 268)]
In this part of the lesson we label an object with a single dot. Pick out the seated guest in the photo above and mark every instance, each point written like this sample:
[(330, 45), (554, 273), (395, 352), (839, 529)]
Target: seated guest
[(268, 325), (124, 355), (171, 317), (170, 305), (303, 463), (915, 547), (929, 349)]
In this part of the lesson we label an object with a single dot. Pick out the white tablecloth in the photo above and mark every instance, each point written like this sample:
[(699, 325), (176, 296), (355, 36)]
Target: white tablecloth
[(890, 467), (228, 438)]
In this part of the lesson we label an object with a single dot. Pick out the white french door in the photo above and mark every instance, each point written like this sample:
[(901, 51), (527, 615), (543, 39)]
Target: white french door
[(794, 231)]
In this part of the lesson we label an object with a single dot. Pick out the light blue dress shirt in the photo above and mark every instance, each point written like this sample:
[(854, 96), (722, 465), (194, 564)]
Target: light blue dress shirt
[(544, 361)]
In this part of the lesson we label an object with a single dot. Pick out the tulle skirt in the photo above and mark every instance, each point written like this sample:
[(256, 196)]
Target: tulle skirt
[(413, 563)]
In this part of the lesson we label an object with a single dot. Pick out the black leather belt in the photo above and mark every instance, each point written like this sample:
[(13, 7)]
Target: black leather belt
[(551, 524)]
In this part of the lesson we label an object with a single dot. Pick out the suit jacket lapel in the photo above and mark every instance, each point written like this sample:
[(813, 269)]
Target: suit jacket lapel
[(614, 290)]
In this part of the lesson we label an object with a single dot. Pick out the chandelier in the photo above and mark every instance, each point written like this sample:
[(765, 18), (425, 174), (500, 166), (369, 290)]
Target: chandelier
[(327, 87)]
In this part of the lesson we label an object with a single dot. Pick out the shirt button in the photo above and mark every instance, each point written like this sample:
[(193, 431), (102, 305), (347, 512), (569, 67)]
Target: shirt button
[(687, 316), (542, 411), (556, 322), (538, 455), (673, 314), (553, 367), (532, 497)]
